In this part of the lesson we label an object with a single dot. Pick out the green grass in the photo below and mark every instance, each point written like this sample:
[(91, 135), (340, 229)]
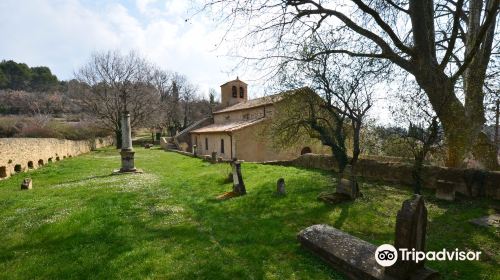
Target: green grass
[(81, 222)]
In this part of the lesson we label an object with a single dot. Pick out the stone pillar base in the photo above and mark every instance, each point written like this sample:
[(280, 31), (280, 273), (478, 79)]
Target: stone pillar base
[(127, 163)]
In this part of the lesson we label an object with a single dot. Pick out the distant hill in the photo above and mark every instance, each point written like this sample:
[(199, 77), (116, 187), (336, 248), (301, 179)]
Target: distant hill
[(19, 76)]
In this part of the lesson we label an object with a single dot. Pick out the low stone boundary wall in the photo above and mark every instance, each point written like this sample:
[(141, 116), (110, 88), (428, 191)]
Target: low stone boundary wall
[(181, 152), (203, 157), (22, 154), (469, 182)]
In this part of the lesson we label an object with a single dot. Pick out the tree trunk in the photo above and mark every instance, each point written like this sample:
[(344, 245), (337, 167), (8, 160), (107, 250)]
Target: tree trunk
[(497, 124), (417, 174), (483, 149), (451, 113), (356, 150), (118, 138), (462, 124), (341, 158)]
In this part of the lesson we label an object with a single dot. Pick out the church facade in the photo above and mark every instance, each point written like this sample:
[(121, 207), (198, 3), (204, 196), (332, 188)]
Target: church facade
[(238, 129)]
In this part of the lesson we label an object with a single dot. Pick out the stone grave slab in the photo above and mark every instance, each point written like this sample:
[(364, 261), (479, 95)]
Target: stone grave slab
[(487, 221)]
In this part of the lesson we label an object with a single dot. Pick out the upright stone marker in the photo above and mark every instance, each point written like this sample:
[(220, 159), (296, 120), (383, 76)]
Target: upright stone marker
[(27, 184), (238, 184), (411, 228), (348, 187), (213, 157), (280, 187)]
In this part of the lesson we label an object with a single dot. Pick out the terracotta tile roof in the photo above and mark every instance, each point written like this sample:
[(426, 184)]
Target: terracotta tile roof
[(257, 102), (227, 127), (237, 80)]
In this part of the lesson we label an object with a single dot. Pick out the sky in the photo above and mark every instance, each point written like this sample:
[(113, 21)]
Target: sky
[(63, 34)]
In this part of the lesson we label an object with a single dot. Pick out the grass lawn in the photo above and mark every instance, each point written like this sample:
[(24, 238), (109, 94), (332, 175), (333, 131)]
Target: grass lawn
[(81, 222)]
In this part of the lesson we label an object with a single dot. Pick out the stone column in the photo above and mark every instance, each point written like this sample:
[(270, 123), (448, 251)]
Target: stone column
[(126, 132), (127, 152)]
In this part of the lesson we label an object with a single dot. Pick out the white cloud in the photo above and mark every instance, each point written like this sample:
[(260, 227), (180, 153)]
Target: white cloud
[(62, 35)]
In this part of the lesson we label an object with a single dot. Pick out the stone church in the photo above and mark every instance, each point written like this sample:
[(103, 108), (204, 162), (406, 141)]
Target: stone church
[(236, 129)]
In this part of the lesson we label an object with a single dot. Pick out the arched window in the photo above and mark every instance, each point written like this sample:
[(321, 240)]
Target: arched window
[(206, 143), (235, 94), (306, 150), (221, 146), (242, 92), (3, 171)]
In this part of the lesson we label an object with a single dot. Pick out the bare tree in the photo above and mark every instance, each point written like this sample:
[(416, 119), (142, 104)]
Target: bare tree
[(336, 111), (212, 99), (188, 95), (187, 106), (112, 83), (179, 104), (438, 42), (424, 133), (162, 83)]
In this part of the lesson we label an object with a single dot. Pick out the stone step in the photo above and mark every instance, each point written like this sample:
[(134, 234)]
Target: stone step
[(172, 146)]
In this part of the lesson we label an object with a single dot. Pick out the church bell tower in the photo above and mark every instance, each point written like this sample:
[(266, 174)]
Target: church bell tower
[(233, 92)]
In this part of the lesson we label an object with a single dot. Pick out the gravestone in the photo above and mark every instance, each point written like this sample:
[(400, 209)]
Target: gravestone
[(238, 184), (333, 197), (445, 190), (411, 228), (213, 158), (280, 187), (346, 190), (27, 184), (348, 187), (348, 254), (355, 258), (194, 150), (148, 146)]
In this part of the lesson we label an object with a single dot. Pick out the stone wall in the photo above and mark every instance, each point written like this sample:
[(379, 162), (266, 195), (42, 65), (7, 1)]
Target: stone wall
[(469, 182), (21, 154)]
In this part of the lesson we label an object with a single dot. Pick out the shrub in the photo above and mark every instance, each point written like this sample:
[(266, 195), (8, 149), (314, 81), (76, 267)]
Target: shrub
[(32, 131), (44, 127), (81, 131), (9, 126)]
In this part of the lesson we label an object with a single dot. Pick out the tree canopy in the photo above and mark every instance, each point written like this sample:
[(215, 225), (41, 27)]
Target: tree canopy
[(19, 76), (446, 46)]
